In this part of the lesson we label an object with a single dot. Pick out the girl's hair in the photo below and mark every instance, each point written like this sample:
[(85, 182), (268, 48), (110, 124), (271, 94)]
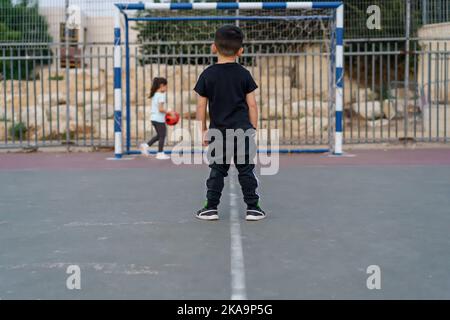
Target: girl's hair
[(157, 83)]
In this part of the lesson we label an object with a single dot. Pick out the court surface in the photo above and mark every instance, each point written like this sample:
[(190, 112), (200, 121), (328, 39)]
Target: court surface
[(129, 227)]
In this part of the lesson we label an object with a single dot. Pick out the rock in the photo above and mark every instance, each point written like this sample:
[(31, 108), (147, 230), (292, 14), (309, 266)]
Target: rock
[(370, 111), (107, 130), (378, 123), (87, 98), (107, 112), (281, 108), (401, 93), (16, 101), (35, 115), (398, 107), (357, 95), (52, 100), (389, 110), (4, 115), (190, 115), (273, 65), (307, 72), (308, 127), (302, 74), (81, 130), (59, 113), (278, 106), (273, 109), (26, 115), (274, 84), (83, 77), (4, 131), (35, 132), (310, 108)]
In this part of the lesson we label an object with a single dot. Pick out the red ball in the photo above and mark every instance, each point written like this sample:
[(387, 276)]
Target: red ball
[(172, 118)]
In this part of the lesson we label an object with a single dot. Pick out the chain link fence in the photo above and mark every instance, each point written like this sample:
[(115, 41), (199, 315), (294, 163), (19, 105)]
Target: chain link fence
[(39, 20)]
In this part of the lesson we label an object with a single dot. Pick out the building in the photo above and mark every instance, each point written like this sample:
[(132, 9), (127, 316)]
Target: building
[(93, 29)]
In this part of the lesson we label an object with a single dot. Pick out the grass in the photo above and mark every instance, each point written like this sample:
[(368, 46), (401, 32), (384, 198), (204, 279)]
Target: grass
[(60, 136), (56, 78)]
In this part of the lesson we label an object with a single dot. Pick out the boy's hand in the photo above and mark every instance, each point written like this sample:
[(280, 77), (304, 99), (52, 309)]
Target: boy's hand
[(205, 140), (252, 109), (202, 102)]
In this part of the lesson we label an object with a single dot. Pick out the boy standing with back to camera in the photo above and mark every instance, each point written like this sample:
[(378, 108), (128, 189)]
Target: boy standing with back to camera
[(228, 88)]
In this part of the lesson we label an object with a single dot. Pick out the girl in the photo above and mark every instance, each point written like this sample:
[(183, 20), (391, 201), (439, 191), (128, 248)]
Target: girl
[(158, 96)]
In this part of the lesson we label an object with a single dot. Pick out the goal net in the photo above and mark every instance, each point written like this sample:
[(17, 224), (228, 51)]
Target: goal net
[(293, 50)]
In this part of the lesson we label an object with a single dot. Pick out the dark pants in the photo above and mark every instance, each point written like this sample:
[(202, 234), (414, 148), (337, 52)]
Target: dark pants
[(244, 164), (160, 135)]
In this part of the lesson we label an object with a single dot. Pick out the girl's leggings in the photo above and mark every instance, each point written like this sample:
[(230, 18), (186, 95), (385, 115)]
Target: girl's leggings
[(160, 135)]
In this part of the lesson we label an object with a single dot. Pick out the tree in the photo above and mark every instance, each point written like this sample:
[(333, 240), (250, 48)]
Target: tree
[(154, 37), (393, 16), (20, 22)]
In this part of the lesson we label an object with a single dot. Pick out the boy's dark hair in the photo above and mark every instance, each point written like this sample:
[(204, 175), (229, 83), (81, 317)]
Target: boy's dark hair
[(228, 40)]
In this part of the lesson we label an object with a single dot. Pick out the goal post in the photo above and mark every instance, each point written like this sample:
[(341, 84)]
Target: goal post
[(124, 9)]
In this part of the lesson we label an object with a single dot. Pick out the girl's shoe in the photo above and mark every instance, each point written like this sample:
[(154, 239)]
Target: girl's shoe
[(144, 149), (162, 156)]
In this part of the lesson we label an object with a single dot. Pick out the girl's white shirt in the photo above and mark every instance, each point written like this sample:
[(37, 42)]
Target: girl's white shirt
[(157, 99)]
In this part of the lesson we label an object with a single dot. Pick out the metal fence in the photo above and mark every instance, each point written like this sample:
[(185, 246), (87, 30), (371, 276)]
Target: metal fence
[(434, 11), (48, 100), (23, 22), (293, 94)]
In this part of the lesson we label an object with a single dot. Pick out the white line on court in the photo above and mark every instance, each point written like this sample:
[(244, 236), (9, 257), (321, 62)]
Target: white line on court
[(238, 290)]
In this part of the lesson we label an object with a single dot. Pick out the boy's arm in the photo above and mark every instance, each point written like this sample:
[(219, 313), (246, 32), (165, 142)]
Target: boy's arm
[(252, 109), (202, 103)]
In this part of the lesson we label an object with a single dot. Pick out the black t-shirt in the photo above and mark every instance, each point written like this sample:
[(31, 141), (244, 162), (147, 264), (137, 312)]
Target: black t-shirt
[(226, 87)]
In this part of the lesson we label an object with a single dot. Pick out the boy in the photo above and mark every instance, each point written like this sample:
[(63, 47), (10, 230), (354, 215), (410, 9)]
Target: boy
[(229, 88)]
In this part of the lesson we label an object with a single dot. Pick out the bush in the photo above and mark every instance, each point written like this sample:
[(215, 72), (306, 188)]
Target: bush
[(12, 29), (18, 131)]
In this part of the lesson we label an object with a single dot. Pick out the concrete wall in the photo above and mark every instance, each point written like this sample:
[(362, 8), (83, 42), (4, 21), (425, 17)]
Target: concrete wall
[(434, 69), (433, 66)]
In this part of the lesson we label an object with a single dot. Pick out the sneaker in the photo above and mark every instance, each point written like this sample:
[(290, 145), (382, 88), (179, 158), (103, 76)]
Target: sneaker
[(162, 156), (255, 214), (207, 214), (144, 149)]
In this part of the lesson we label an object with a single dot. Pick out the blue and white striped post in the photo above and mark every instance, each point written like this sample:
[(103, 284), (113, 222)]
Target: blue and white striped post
[(338, 6), (339, 79), (117, 87)]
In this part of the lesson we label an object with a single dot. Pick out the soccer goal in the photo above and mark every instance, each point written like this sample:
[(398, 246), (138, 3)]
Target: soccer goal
[(278, 37)]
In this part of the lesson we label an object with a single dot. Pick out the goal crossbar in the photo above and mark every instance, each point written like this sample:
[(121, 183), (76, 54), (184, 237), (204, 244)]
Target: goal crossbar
[(230, 5), (231, 18), (122, 8)]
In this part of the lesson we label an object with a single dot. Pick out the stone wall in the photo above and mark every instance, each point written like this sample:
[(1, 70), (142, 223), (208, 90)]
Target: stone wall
[(293, 93)]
